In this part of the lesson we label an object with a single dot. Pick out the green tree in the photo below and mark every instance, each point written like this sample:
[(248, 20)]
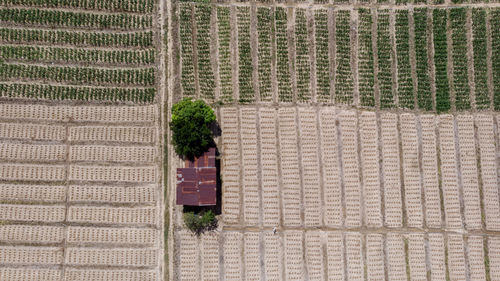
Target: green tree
[(199, 223), (190, 127)]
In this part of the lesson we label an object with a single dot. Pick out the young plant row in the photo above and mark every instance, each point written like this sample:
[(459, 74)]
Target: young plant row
[(245, 57), (384, 52), (78, 75), (302, 56), (225, 69), (365, 59), (479, 46), (283, 72), (405, 82), (495, 59), (322, 56), (203, 14), (72, 55), (136, 6), (343, 72), (264, 31), (424, 96), (78, 39), (49, 92), (55, 18), (459, 55), (187, 58), (439, 19)]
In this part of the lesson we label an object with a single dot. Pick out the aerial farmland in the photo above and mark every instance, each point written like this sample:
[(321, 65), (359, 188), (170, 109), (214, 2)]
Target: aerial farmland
[(359, 139), (81, 195), (356, 140)]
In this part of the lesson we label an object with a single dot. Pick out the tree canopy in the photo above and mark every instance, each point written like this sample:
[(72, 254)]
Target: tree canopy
[(190, 127)]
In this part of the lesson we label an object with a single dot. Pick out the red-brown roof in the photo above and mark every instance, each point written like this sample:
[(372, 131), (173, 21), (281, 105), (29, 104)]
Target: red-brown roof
[(197, 182)]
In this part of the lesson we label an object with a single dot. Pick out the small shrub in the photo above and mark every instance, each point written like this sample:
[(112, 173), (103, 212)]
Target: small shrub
[(199, 223), (190, 127)]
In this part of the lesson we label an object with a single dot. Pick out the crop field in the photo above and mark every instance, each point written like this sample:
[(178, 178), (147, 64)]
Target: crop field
[(80, 141), (359, 139)]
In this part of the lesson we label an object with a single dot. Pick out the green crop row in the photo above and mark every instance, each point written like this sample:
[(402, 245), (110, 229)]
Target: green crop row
[(186, 38), (79, 75), (459, 55), (384, 51), (344, 83), (264, 31), (245, 57), (225, 70), (479, 46), (495, 59), (49, 92), (424, 96), (55, 18), (439, 19), (93, 39), (405, 82), (139, 6), (365, 59), (284, 90), (72, 55), (203, 14), (322, 56), (302, 56)]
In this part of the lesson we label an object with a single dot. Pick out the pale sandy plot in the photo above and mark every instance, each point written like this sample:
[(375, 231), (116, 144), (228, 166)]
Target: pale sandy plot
[(391, 173), (273, 256), (269, 169), (188, 256), (449, 172), (142, 135), (396, 265), (487, 154), (32, 213), (251, 197), (332, 188), (375, 257), (469, 173), (294, 258), (352, 187), (252, 256), (74, 274), (108, 235), (314, 255), (139, 174), (210, 257), (335, 256), (456, 257), (230, 165), (21, 255), (123, 257), (233, 260), (370, 168), (416, 257), (16, 172), (31, 233), (113, 215), (32, 152), (102, 153), (291, 194), (437, 257), (475, 246), (30, 274), (39, 132), (28, 192), (112, 194), (494, 257), (354, 256), (411, 170), (112, 114), (309, 142), (430, 171)]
